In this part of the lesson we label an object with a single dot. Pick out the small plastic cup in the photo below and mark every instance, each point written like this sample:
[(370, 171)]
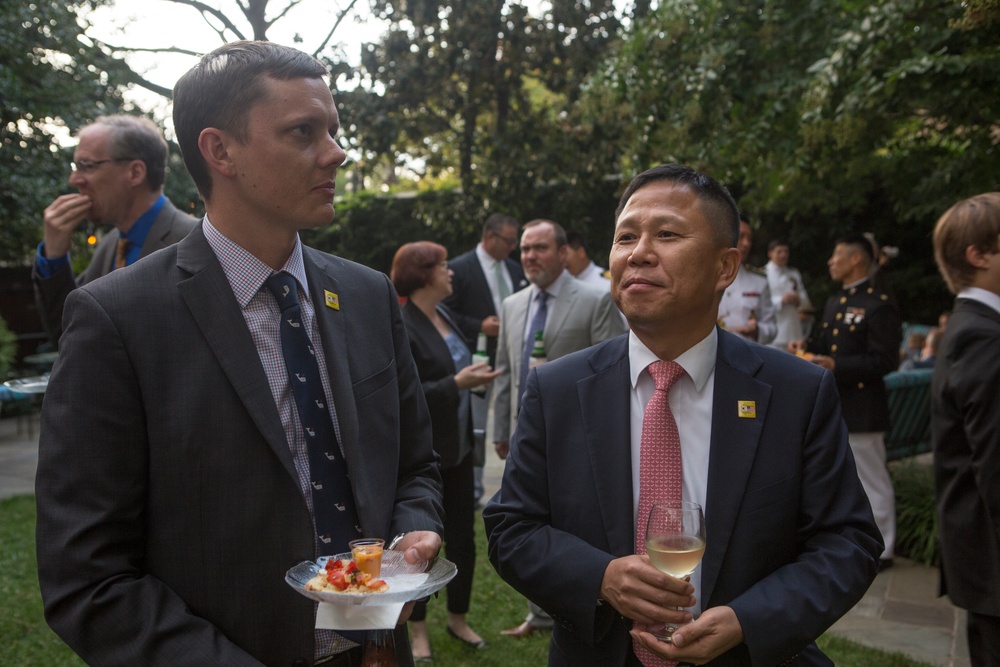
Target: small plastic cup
[(367, 553)]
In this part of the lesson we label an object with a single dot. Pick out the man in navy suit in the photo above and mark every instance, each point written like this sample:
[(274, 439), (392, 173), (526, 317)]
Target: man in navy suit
[(965, 422), (483, 278), (791, 542)]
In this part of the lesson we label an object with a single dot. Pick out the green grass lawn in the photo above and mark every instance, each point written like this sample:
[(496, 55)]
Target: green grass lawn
[(27, 641)]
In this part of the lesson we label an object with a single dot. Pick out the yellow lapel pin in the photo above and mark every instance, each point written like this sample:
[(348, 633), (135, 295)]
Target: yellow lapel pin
[(747, 409), (332, 300)]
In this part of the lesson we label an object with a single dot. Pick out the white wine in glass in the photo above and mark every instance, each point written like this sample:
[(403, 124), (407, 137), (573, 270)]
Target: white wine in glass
[(675, 543)]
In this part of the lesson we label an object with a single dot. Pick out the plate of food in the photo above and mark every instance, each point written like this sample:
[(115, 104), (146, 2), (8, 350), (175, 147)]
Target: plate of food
[(32, 385), (338, 579)]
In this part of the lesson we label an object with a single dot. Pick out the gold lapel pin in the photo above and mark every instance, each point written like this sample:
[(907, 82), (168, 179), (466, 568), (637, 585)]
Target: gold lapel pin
[(332, 300), (747, 409)]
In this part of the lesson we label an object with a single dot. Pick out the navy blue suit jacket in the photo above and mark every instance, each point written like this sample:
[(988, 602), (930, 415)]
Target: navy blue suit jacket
[(791, 540)]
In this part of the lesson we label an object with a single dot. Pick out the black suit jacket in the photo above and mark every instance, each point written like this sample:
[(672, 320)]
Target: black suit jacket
[(471, 302), (965, 423), (791, 542), (170, 226), (169, 508), (862, 332), (436, 369)]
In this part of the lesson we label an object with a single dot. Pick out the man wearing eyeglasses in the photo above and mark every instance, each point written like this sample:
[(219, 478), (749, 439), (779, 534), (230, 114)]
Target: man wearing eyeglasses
[(118, 167), (483, 278)]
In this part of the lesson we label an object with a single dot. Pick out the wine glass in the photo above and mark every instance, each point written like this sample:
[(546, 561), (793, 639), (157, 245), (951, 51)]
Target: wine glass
[(675, 543)]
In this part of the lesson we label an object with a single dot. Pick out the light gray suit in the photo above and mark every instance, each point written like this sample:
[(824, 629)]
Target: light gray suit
[(169, 508), (581, 315)]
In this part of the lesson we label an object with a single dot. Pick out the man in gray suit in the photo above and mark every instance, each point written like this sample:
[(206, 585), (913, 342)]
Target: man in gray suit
[(119, 168), (574, 315), (173, 497)]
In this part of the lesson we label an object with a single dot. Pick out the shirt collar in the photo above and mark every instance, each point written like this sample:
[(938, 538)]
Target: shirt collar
[(485, 258), (139, 230), (697, 361), (553, 289), (246, 274), (856, 283), (981, 295)]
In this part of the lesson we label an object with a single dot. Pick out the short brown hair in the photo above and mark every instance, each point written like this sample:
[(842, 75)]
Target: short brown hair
[(496, 222), (557, 230), (222, 88), (971, 222), (414, 264)]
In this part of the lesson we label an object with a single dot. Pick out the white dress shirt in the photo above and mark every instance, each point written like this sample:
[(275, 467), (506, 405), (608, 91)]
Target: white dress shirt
[(780, 281), (691, 404), (981, 295), (594, 275), (490, 271)]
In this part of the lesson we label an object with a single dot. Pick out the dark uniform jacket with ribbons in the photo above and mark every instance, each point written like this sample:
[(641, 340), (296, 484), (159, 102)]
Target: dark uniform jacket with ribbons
[(861, 330)]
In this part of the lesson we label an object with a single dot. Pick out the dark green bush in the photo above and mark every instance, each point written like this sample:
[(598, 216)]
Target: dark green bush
[(916, 518)]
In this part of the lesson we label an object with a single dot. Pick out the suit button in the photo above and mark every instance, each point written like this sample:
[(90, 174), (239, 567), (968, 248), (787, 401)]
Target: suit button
[(840, 316), (852, 327), (836, 331), (833, 348), (861, 385), (826, 324), (843, 299)]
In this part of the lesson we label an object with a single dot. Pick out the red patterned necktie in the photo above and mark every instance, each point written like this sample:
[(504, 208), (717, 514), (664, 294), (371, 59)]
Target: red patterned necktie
[(660, 470)]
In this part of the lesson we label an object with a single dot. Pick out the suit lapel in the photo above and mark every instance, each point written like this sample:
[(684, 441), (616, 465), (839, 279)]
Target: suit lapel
[(480, 284), (518, 316), (159, 230), (560, 310), (210, 299), (604, 403), (733, 448)]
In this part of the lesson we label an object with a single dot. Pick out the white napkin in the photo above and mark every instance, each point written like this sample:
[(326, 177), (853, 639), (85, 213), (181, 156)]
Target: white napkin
[(356, 617)]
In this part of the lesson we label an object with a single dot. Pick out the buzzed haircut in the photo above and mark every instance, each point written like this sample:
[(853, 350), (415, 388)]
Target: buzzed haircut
[(774, 243), (861, 243), (720, 207)]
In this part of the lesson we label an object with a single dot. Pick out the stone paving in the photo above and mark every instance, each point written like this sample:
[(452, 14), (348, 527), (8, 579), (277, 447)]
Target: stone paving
[(900, 613)]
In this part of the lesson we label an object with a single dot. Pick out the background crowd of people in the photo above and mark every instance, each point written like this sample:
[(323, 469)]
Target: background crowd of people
[(259, 387)]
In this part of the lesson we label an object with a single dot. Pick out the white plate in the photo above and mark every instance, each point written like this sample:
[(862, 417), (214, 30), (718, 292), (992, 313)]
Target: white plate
[(32, 385), (406, 582)]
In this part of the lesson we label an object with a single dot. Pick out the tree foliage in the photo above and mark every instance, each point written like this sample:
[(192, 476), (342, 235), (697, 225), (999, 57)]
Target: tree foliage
[(477, 91), (822, 117)]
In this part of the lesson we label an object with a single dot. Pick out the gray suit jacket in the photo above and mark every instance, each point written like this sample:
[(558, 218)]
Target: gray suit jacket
[(168, 504), (580, 316), (170, 226)]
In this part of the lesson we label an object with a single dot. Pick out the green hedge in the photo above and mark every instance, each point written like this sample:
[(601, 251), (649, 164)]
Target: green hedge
[(916, 517)]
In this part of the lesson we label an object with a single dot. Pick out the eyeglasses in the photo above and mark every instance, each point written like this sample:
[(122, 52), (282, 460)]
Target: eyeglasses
[(85, 167), (511, 242)]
